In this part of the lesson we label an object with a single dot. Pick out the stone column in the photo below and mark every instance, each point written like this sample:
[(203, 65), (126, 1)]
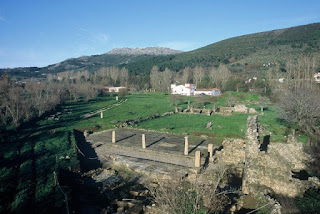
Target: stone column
[(101, 114), (143, 141), (113, 136), (210, 151), (186, 145), (197, 160), (189, 104), (117, 98)]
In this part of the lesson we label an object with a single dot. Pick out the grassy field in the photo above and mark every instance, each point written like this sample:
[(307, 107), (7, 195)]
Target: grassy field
[(30, 154)]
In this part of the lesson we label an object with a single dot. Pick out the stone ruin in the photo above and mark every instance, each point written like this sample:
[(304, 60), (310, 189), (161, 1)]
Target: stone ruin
[(227, 111), (272, 170), (263, 169), (241, 108), (269, 170)]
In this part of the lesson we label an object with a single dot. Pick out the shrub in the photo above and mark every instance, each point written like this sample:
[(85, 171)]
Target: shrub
[(310, 203)]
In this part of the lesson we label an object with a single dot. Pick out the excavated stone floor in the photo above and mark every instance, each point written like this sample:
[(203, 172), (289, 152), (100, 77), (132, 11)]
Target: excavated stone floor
[(163, 154)]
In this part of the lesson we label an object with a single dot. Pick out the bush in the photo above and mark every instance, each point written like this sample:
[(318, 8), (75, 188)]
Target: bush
[(310, 203), (123, 93)]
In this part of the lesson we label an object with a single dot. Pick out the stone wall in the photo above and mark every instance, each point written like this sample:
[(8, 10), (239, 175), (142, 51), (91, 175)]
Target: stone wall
[(271, 172)]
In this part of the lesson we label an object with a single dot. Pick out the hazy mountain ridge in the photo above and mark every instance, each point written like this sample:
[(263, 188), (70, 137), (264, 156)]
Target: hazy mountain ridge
[(142, 51)]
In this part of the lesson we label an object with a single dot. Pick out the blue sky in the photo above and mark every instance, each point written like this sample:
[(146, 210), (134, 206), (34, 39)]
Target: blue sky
[(43, 32)]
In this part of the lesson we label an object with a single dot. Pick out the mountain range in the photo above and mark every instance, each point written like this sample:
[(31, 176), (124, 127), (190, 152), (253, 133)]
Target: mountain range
[(241, 54)]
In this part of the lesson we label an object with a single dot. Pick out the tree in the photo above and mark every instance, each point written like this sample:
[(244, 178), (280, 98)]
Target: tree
[(219, 76), (263, 101), (200, 102), (198, 74), (230, 100), (160, 81), (301, 107), (123, 77), (175, 100), (235, 84), (155, 79), (123, 92), (186, 75)]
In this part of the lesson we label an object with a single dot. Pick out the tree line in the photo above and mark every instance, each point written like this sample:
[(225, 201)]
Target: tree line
[(23, 101)]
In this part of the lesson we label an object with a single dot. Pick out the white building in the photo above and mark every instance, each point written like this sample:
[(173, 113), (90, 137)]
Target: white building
[(210, 92), (186, 89), (191, 90), (115, 89)]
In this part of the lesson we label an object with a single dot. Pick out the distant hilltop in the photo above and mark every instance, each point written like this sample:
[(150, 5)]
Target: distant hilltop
[(143, 51)]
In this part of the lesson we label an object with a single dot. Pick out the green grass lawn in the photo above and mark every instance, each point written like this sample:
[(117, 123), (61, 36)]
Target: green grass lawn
[(223, 127)]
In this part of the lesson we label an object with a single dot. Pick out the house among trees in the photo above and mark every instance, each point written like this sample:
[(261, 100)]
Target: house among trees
[(114, 89), (191, 90), (317, 77)]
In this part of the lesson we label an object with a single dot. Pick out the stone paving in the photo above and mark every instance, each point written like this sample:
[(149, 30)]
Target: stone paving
[(164, 153)]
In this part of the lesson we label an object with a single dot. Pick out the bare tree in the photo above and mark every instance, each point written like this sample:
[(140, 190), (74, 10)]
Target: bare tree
[(302, 107), (198, 74), (123, 92), (219, 76), (213, 76), (123, 77), (263, 101), (175, 100), (14, 105), (155, 79), (230, 100), (166, 79), (186, 75)]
